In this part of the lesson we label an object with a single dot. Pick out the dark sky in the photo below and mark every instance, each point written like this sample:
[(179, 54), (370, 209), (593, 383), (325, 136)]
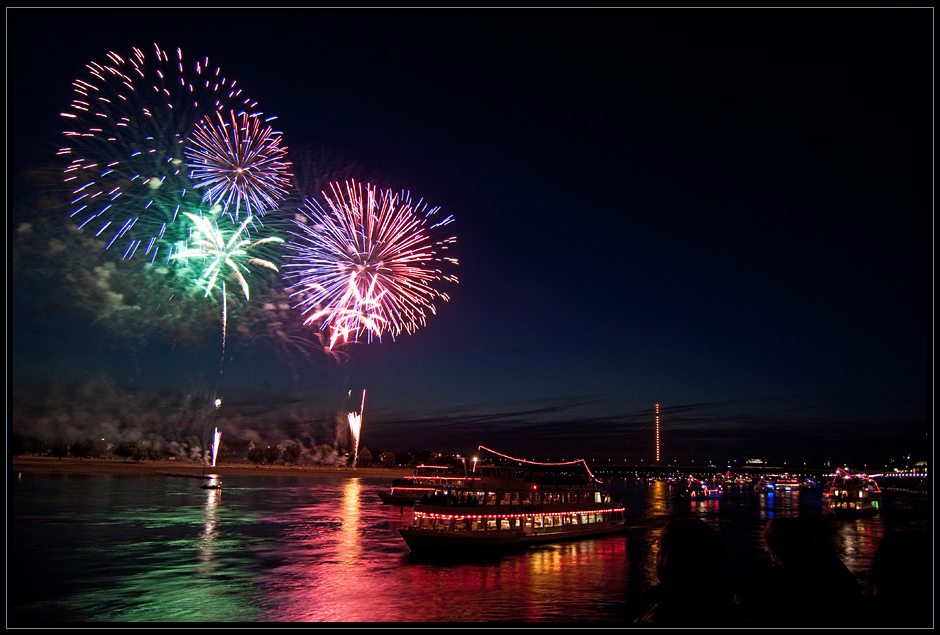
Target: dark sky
[(726, 212)]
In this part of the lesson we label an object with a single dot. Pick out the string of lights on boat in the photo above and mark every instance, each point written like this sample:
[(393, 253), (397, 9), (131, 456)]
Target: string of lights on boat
[(506, 456)]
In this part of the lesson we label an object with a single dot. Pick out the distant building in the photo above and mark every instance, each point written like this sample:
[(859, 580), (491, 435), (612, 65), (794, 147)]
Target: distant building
[(755, 462)]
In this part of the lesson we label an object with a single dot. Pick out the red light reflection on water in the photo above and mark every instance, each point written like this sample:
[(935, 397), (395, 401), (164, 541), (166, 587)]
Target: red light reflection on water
[(357, 569)]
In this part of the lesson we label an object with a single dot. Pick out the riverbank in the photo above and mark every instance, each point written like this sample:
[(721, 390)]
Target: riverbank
[(47, 464)]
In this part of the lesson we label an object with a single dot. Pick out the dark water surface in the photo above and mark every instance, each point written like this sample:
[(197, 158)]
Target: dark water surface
[(103, 548)]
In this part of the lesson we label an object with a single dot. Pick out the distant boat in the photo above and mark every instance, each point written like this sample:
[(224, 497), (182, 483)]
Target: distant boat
[(788, 484), (695, 489), (211, 486), (426, 479), (851, 495), (764, 486)]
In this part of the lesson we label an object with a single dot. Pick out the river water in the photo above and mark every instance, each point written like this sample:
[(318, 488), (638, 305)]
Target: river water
[(113, 549)]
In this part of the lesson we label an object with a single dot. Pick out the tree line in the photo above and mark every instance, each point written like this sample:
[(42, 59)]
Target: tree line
[(193, 449)]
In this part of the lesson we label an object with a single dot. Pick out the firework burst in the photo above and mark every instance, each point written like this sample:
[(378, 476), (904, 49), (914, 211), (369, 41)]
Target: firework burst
[(367, 265), (126, 130), (239, 162), (210, 247)]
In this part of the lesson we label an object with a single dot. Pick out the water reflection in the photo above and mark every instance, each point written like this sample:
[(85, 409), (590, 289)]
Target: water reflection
[(111, 549), (209, 534), (349, 544)]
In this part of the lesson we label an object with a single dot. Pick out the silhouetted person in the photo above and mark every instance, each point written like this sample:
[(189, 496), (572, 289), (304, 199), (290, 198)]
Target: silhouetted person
[(804, 586), (902, 580), (689, 567)]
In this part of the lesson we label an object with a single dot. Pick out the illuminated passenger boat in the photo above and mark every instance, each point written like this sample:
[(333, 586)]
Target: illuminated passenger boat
[(508, 506), (426, 480), (851, 495)]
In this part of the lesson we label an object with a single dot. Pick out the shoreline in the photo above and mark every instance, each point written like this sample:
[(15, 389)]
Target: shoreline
[(52, 465)]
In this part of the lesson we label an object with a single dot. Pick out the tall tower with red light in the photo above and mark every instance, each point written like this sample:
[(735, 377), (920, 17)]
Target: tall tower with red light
[(657, 433)]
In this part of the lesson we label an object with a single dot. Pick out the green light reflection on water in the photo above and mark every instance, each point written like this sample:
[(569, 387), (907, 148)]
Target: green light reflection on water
[(204, 576)]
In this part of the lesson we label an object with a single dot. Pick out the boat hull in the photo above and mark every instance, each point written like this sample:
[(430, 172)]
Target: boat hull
[(396, 499), (850, 512), (423, 540)]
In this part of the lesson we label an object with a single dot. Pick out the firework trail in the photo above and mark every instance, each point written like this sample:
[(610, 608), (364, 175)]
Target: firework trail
[(216, 442), (238, 162), (355, 426), (126, 130), (367, 265), (208, 246)]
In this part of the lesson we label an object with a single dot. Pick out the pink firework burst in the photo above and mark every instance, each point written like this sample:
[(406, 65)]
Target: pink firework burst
[(369, 264)]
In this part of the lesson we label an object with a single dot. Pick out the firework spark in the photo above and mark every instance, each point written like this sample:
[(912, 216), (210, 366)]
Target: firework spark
[(240, 163), (369, 264), (126, 128)]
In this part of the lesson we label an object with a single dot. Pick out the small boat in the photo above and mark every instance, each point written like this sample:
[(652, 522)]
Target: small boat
[(695, 489), (851, 495), (514, 503), (426, 479), (764, 486), (211, 486), (787, 483)]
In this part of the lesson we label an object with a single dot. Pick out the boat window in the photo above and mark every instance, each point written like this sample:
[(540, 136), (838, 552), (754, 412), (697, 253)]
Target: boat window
[(584, 519), (460, 524), (515, 498), (536, 497), (476, 525), (517, 523), (538, 521), (504, 523), (574, 519), (504, 498), (491, 524), (526, 498), (491, 498), (597, 497)]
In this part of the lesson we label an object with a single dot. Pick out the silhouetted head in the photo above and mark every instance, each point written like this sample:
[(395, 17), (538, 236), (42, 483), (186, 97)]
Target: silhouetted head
[(789, 542), (902, 565), (690, 552)]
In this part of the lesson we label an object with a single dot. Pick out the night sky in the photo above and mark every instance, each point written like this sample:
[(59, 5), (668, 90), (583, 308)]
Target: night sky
[(729, 213)]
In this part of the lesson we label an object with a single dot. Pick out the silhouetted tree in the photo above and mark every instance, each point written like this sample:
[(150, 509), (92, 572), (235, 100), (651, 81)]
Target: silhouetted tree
[(125, 449), (83, 449), (292, 453), (365, 458), (17, 444), (271, 454), (60, 447), (256, 455)]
